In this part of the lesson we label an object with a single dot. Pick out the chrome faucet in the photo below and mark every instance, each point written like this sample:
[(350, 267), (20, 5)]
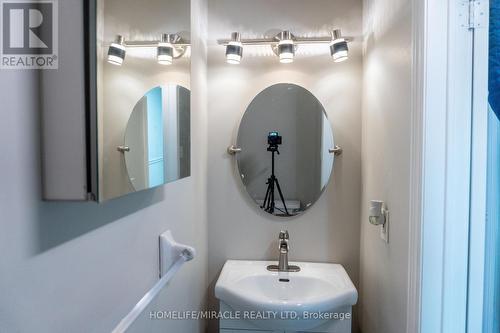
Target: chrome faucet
[(283, 258)]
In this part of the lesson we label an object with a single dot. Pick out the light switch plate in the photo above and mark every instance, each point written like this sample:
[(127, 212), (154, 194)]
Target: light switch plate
[(384, 228)]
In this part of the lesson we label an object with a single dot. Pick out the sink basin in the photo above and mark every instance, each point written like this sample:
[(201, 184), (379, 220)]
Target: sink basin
[(247, 286)]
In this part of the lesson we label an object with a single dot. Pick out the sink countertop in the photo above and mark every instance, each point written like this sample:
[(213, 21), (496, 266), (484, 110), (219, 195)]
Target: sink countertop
[(318, 287)]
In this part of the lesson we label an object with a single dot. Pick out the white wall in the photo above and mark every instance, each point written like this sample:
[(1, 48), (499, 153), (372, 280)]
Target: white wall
[(80, 267), (386, 162), (329, 231)]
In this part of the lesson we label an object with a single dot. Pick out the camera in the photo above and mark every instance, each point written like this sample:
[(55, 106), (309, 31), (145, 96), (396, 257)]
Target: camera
[(274, 139), (269, 205)]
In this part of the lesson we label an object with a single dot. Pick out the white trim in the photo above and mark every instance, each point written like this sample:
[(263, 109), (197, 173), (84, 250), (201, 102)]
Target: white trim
[(446, 189), (458, 171), (446, 128), (434, 161), (416, 167), (479, 161)]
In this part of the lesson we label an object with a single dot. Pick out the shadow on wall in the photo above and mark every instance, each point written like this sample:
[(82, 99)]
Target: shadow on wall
[(57, 222), (60, 222)]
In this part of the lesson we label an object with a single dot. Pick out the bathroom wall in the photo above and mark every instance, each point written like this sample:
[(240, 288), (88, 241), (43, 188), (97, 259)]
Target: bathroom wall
[(329, 231), (386, 162), (80, 267)]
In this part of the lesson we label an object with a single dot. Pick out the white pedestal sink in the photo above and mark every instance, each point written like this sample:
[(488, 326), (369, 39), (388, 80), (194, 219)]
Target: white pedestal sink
[(319, 298)]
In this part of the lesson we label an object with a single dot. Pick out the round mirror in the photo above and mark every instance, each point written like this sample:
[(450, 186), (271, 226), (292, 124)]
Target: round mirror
[(157, 138), (285, 139)]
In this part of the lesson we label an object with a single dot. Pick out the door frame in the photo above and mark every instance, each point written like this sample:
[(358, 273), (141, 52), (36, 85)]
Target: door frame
[(448, 168), (479, 176)]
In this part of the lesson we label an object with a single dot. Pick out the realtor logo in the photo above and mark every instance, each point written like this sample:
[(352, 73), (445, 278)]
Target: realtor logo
[(28, 36)]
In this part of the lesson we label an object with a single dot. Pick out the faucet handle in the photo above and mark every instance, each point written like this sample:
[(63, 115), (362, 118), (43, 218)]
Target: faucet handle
[(284, 234), (283, 241)]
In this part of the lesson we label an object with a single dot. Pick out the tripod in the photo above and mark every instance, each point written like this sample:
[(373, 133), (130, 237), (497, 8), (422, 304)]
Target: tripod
[(269, 205)]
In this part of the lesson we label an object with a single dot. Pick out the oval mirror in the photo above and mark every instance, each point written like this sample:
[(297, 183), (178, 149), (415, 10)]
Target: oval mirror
[(285, 138), (157, 138)]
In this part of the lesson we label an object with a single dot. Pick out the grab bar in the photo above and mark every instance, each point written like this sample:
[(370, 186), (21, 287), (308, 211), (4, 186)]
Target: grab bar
[(185, 253)]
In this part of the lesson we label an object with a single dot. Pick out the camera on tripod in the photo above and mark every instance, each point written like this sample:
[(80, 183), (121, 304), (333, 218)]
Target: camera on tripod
[(269, 204), (273, 140)]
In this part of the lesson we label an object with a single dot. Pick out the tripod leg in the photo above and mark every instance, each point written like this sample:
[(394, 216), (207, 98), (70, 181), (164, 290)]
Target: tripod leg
[(270, 198), (281, 196), (271, 209), (267, 204), (267, 195)]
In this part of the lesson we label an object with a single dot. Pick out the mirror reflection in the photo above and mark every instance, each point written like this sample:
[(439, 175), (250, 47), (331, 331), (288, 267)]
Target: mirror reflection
[(142, 110), (285, 138), (157, 138)]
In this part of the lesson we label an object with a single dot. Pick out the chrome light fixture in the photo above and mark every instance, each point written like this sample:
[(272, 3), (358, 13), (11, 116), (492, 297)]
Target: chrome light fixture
[(117, 51), (338, 47), (285, 44), (168, 48), (286, 47), (165, 50), (234, 49)]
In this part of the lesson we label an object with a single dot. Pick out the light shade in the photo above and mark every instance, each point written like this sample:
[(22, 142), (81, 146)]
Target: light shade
[(339, 51), (234, 49), (165, 53), (165, 50), (117, 51), (338, 47), (286, 51), (286, 47)]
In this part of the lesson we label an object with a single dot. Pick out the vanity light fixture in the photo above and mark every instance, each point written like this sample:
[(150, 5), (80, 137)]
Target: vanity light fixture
[(286, 47), (234, 49), (338, 47), (285, 44), (168, 48), (117, 51)]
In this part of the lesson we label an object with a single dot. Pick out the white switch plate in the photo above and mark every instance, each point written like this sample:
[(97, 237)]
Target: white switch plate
[(384, 228)]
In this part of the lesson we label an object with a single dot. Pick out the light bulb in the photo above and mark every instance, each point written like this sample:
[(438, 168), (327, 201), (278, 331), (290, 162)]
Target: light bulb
[(165, 53), (339, 51), (117, 51), (234, 49), (286, 51), (338, 47), (234, 53)]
